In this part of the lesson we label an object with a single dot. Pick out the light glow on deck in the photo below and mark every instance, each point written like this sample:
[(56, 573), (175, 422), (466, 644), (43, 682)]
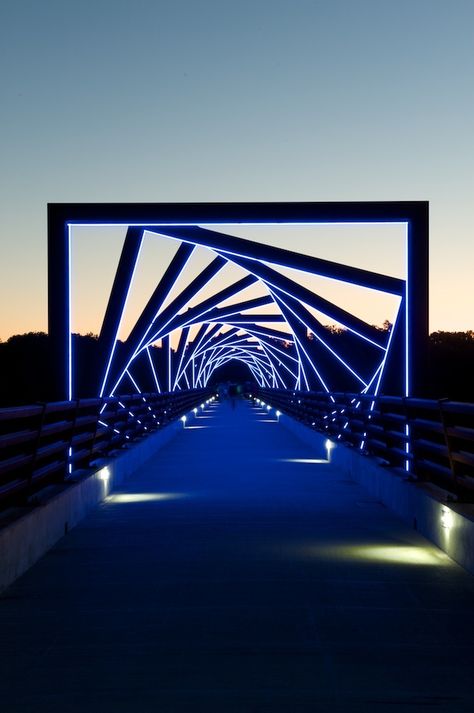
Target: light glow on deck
[(126, 498)]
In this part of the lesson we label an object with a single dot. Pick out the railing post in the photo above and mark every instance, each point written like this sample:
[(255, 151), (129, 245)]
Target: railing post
[(29, 488), (447, 441), (96, 428), (68, 465), (408, 445)]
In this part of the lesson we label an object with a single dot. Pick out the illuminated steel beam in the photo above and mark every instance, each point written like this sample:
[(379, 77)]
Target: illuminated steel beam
[(266, 331), (219, 314), (302, 347), (220, 242), (238, 318), (164, 319), (226, 341), (192, 348), (316, 328), (406, 342), (238, 349), (294, 289), (253, 350), (200, 311), (118, 300), (279, 360), (182, 344), (150, 311), (153, 371)]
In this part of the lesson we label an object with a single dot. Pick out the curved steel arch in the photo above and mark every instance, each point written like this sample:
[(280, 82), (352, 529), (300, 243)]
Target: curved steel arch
[(285, 359)]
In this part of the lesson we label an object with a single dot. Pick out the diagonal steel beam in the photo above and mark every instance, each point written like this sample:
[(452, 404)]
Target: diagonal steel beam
[(144, 322), (165, 318), (118, 299), (199, 311), (294, 289), (256, 251)]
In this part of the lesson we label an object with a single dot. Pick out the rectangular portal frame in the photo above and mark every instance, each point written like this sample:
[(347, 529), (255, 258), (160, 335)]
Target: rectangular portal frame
[(63, 216)]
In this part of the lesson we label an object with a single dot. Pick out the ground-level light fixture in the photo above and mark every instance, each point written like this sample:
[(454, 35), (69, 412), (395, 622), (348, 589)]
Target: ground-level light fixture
[(329, 445), (447, 520)]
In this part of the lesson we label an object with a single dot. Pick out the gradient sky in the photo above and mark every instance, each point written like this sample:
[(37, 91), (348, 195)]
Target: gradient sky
[(217, 100)]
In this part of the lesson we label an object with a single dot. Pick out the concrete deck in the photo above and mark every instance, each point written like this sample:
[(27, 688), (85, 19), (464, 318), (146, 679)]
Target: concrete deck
[(229, 577)]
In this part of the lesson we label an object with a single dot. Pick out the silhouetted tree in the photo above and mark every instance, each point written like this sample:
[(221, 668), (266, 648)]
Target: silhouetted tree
[(25, 375), (25, 369), (450, 368)]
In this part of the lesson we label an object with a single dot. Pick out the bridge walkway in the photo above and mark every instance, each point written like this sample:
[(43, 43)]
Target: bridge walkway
[(237, 575)]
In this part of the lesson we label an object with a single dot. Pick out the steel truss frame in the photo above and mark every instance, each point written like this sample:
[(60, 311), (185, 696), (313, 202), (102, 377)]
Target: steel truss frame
[(275, 359)]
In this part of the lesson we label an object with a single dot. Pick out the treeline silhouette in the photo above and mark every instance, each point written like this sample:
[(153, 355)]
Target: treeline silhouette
[(25, 366)]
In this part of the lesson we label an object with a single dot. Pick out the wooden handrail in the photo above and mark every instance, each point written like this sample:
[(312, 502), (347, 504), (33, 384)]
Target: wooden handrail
[(429, 440), (47, 443)]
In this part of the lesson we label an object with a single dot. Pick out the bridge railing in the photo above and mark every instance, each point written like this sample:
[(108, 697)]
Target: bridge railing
[(425, 439), (47, 443)]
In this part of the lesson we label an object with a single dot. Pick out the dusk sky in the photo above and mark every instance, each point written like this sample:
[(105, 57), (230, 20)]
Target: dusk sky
[(218, 100)]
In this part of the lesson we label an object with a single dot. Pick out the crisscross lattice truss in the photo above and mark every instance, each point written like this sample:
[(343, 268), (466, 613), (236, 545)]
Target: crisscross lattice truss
[(245, 302)]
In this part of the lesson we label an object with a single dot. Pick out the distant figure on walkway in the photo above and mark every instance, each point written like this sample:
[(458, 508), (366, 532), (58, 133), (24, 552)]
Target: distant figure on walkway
[(233, 393), (223, 391)]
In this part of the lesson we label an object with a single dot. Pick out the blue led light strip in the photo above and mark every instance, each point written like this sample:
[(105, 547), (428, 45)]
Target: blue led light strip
[(196, 360)]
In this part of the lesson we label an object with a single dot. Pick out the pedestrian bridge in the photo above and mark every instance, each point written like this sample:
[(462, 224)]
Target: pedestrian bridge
[(240, 568)]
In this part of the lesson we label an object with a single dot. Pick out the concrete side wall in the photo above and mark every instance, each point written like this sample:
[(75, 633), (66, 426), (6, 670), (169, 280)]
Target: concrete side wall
[(448, 525), (24, 540)]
